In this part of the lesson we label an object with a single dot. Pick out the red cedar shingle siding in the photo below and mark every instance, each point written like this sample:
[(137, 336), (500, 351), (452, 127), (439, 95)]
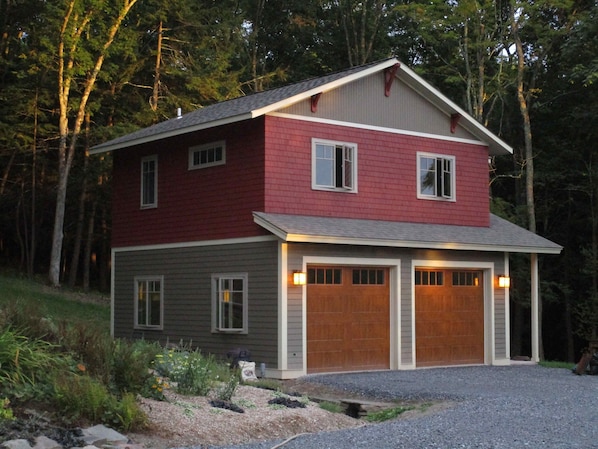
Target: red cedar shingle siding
[(217, 202), (387, 178), (193, 205)]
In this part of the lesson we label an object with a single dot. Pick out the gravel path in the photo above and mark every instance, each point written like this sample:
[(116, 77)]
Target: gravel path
[(495, 407)]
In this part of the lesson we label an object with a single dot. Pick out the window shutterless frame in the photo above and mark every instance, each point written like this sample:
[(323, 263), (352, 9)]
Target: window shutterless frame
[(207, 155), (334, 166), (149, 302), (149, 182), (435, 177), (229, 302)]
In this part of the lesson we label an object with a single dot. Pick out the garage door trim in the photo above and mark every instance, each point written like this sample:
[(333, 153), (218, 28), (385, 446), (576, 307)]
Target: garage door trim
[(394, 269), (488, 275)]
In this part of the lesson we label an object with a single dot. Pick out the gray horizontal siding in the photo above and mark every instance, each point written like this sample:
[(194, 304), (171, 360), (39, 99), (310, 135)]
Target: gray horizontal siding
[(187, 295)]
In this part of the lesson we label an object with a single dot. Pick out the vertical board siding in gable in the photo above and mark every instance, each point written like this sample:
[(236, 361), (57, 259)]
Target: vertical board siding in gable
[(187, 295), (363, 101), (193, 205), (386, 176)]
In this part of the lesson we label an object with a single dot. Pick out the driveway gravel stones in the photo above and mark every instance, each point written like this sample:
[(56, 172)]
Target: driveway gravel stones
[(520, 406)]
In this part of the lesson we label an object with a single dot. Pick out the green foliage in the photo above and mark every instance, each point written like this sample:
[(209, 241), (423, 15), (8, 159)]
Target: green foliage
[(6, 413), (226, 390), (332, 407), (192, 371), (130, 365), (24, 360), (82, 398), (387, 414)]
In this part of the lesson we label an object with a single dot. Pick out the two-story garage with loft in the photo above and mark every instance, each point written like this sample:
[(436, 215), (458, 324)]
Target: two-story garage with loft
[(341, 223)]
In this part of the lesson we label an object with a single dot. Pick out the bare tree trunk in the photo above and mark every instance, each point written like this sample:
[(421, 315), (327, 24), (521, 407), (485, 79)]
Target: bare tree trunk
[(156, 89), (523, 102), (74, 26), (81, 215), (88, 246)]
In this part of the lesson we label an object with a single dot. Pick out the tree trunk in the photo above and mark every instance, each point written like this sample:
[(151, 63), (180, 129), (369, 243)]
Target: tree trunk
[(67, 59), (156, 89)]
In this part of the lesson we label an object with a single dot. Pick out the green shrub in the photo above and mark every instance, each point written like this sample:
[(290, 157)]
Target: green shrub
[(131, 363), (227, 388), (6, 413), (82, 398), (193, 373), (24, 360)]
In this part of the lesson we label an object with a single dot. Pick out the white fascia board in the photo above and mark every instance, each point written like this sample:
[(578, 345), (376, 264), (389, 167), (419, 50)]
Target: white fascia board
[(324, 88), (165, 135), (435, 96), (300, 238)]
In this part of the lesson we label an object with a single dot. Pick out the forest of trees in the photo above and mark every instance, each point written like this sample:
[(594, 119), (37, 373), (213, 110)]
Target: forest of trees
[(74, 73)]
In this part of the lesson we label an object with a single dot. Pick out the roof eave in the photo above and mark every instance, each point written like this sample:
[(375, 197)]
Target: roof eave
[(310, 238), (496, 145), (102, 148)]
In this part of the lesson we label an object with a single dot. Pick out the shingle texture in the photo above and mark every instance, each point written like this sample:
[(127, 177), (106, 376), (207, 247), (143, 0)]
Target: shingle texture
[(501, 235), (232, 108)]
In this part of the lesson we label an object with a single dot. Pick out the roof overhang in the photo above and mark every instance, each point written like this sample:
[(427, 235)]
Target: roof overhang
[(500, 236)]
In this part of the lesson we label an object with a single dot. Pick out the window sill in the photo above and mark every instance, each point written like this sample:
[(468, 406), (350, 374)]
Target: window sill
[(148, 328), (229, 331)]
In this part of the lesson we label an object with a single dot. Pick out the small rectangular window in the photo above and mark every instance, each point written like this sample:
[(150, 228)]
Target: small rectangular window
[(367, 276), (229, 302), (425, 277), (207, 155), (149, 302), (149, 182), (334, 166), (436, 176), (466, 278), (325, 276)]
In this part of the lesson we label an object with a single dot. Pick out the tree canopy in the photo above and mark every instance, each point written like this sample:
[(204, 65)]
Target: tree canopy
[(74, 73)]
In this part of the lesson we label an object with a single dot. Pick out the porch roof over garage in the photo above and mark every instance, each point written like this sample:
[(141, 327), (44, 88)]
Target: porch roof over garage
[(501, 235)]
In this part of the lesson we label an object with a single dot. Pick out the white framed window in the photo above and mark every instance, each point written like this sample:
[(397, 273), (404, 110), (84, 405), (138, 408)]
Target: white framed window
[(207, 155), (334, 165), (436, 176), (149, 302), (149, 182), (229, 302)]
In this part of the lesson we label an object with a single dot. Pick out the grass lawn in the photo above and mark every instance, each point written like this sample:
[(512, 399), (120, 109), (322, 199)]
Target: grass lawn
[(59, 304)]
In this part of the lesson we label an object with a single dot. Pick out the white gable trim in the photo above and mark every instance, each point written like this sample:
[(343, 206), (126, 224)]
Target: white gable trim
[(377, 128)]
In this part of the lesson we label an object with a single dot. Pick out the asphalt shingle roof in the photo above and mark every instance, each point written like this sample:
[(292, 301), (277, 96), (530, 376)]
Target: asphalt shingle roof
[(501, 235), (237, 107)]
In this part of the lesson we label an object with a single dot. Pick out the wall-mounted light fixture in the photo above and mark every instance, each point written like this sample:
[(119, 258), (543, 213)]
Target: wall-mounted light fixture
[(504, 281), (299, 278)]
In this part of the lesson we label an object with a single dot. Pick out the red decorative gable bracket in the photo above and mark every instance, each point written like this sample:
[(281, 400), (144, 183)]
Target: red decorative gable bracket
[(389, 77), (454, 121), (314, 101)]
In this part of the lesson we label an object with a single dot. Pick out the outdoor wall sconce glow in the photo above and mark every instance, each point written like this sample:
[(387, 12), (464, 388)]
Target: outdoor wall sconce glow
[(299, 278), (504, 281)]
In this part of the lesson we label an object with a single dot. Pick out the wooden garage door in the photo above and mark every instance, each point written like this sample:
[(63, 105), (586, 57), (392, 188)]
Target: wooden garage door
[(348, 319), (449, 317)]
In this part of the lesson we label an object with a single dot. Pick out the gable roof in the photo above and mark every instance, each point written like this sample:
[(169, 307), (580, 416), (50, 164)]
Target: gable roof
[(501, 235), (261, 103)]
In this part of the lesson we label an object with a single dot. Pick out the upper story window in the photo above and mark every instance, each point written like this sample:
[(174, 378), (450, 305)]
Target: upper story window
[(436, 176), (149, 182), (149, 302), (207, 155), (334, 166), (229, 302)]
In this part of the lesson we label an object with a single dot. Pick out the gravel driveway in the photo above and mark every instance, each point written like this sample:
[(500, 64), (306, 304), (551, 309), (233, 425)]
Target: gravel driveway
[(496, 407)]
